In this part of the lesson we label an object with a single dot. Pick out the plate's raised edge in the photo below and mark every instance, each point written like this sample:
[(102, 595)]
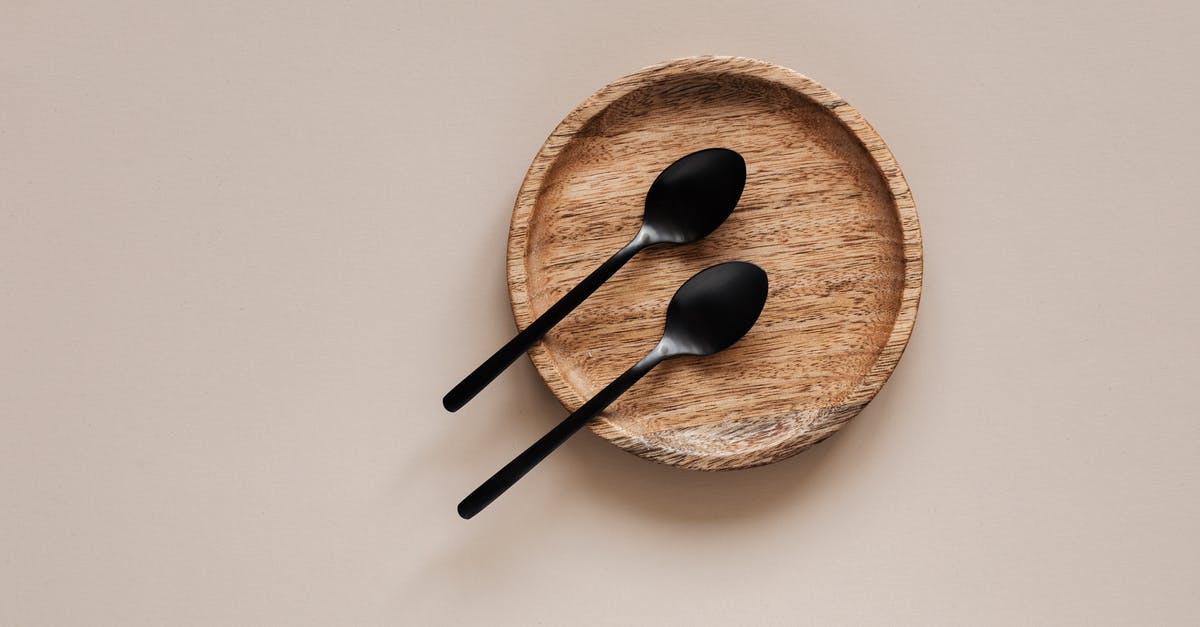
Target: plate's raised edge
[(825, 421)]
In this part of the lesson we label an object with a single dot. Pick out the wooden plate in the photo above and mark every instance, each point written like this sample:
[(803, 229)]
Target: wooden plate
[(826, 212)]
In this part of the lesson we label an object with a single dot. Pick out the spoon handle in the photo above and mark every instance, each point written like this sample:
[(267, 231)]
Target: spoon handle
[(523, 463), (490, 369)]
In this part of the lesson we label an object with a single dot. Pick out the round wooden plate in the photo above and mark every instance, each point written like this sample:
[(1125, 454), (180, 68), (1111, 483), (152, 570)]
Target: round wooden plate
[(826, 212)]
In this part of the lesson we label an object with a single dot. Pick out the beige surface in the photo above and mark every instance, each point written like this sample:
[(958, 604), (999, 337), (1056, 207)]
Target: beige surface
[(244, 251)]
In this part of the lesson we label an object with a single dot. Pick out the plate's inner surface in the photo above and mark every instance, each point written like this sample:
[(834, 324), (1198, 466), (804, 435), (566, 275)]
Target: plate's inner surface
[(816, 214)]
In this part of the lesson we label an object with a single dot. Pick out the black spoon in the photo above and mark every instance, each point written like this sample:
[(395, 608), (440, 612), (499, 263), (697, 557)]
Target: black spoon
[(688, 200), (708, 313)]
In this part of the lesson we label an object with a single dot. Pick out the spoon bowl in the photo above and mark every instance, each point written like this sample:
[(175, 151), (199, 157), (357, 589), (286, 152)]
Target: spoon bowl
[(694, 196), (714, 309)]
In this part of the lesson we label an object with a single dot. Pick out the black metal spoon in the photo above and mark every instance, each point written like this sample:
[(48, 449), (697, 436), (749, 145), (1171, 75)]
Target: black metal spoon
[(688, 200), (708, 313)]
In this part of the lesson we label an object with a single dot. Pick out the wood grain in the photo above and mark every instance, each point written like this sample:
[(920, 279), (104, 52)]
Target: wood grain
[(826, 212)]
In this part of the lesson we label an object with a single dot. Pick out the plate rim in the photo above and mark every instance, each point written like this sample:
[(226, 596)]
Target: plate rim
[(853, 121)]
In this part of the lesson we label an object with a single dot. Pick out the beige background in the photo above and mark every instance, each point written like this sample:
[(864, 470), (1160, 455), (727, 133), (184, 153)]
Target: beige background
[(244, 249)]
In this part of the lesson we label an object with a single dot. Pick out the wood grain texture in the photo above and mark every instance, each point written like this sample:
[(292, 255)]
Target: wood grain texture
[(826, 212)]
